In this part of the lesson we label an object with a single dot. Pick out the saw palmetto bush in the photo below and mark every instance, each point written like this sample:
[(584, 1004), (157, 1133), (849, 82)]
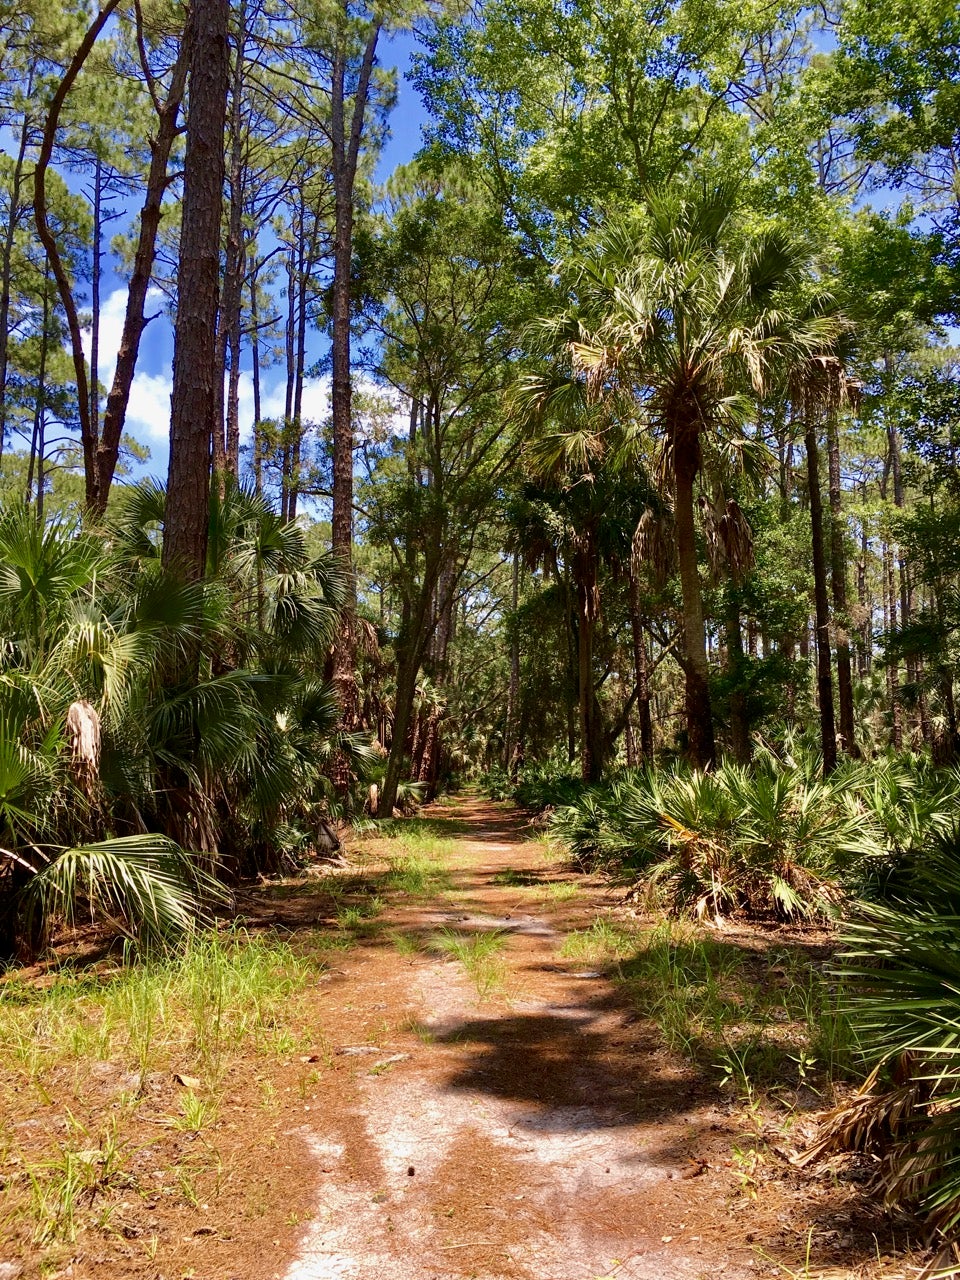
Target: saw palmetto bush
[(226, 761), (772, 838), (900, 967)]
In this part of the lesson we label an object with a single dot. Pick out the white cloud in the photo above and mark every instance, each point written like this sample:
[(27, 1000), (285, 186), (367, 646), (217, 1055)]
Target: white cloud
[(148, 411), (315, 405)]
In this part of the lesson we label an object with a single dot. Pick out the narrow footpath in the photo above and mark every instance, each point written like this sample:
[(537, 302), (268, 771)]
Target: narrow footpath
[(520, 1122)]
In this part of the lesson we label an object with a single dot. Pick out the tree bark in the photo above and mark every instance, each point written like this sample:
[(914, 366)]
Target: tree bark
[(225, 460), (88, 433), (590, 762), (739, 725), (865, 647), (37, 444), (345, 138), (893, 667), (14, 215), (641, 669), (194, 361), (701, 746), (255, 359), (828, 732), (95, 297), (513, 687), (134, 320), (838, 583)]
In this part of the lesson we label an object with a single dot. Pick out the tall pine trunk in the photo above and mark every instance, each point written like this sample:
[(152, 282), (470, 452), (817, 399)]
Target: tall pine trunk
[(346, 132), (838, 582), (641, 670), (225, 449), (134, 320), (828, 731), (15, 212), (193, 401), (739, 723)]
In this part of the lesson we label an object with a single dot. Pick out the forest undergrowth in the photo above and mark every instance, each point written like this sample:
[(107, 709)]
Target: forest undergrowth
[(130, 1091)]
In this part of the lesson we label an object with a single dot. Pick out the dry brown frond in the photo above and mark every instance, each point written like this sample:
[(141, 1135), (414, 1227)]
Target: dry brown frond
[(869, 1120), (654, 545), (821, 387), (368, 642), (729, 538), (83, 728)]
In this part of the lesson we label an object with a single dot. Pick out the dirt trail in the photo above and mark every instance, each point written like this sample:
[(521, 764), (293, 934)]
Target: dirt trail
[(535, 1132)]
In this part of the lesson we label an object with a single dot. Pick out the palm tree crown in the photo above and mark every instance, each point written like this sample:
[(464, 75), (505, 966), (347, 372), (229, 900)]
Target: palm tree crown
[(683, 319)]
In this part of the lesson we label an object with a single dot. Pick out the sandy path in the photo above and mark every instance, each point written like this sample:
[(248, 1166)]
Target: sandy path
[(536, 1132)]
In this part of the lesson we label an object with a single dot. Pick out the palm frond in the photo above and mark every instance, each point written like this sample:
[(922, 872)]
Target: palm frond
[(156, 892)]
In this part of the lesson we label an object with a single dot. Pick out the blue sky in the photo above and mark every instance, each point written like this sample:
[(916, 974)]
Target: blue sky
[(149, 412)]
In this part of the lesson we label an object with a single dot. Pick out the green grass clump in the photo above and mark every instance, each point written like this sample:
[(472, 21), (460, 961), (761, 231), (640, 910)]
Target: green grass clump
[(421, 829), (480, 955), (757, 1021), (359, 918), (513, 879), (561, 891), (418, 868), (168, 1031), (602, 942)]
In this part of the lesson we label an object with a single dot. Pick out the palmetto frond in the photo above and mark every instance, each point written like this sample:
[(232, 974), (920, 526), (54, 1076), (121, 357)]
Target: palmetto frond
[(147, 884), (901, 966)]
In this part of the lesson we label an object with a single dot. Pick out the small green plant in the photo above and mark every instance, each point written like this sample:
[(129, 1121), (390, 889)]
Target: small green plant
[(479, 953), (516, 879), (358, 918), (417, 872), (75, 1176), (603, 942), (756, 1026), (406, 943), (196, 1113), (561, 891), (419, 1029)]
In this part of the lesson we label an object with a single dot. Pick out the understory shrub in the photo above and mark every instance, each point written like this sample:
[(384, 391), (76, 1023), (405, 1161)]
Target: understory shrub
[(543, 786), (774, 837), (900, 966)]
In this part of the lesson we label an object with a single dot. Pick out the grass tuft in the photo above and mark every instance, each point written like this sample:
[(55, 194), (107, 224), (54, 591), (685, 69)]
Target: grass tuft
[(479, 953)]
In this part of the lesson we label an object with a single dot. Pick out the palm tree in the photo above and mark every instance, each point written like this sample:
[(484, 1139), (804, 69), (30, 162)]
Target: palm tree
[(232, 760), (684, 317)]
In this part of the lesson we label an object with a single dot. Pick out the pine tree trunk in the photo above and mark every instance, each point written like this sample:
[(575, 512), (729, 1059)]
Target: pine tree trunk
[(14, 214), (589, 765), (865, 646), (641, 668), (193, 400), (838, 582), (893, 668), (739, 723), (37, 443), (95, 297), (255, 359), (828, 732), (346, 136), (134, 320), (572, 699), (513, 687), (231, 298)]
